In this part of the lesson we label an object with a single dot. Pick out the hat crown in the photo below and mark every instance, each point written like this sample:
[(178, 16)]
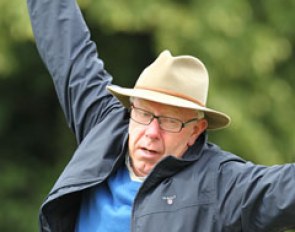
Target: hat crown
[(181, 76)]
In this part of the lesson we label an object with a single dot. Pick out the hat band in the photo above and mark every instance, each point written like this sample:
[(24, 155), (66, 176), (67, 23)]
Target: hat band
[(172, 93)]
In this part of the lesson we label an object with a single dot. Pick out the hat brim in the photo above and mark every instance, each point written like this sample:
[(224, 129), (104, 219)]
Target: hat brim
[(216, 120)]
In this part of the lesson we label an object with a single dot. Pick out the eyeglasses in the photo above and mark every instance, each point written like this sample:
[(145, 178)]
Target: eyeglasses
[(168, 124)]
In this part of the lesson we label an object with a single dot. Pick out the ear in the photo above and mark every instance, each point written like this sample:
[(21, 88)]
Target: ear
[(199, 128)]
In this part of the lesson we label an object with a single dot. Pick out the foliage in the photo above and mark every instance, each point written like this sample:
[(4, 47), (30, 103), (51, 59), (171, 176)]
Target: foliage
[(247, 46)]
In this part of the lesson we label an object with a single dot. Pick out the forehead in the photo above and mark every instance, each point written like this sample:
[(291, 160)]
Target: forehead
[(163, 109)]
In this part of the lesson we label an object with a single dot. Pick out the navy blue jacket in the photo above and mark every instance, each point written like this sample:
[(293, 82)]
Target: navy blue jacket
[(208, 190)]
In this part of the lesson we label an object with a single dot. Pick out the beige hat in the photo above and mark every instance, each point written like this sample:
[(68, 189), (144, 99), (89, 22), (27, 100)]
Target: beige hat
[(180, 81)]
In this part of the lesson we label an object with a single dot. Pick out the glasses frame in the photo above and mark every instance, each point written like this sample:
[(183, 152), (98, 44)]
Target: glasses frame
[(158, 118)]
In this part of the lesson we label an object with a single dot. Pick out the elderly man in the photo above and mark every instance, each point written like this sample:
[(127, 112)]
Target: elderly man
[(143, 163)]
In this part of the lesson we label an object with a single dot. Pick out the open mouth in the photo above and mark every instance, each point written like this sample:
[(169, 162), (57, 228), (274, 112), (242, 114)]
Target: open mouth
[(149, 152)]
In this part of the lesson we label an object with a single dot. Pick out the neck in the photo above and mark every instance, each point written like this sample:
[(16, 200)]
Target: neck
[(133, 176)]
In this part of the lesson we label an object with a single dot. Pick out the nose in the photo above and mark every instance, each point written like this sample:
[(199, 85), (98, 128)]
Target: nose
[(153, 129)]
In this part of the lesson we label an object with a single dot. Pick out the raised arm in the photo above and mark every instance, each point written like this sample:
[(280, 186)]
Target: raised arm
[(64, 43)]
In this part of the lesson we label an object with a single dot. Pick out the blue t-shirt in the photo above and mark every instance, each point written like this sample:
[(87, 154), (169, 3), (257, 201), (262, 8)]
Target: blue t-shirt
[(107, 207)]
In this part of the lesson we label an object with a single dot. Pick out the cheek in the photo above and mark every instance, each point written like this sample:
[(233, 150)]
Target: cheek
[(135, 133), (133, 128), (177, 145)]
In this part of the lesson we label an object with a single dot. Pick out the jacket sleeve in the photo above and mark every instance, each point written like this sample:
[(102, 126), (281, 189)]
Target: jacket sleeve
[(259, 198), (80, 80)]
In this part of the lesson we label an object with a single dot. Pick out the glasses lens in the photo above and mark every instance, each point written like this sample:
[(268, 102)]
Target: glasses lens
[(141, 116), (170, 124)]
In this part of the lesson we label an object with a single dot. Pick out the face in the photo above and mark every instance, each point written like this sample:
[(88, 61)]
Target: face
[(148, 144)]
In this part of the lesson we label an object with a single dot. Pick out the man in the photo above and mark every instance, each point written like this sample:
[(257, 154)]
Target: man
[(147, 166)]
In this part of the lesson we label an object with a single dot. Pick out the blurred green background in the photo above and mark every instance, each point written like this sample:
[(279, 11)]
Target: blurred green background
[(248, 47)]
